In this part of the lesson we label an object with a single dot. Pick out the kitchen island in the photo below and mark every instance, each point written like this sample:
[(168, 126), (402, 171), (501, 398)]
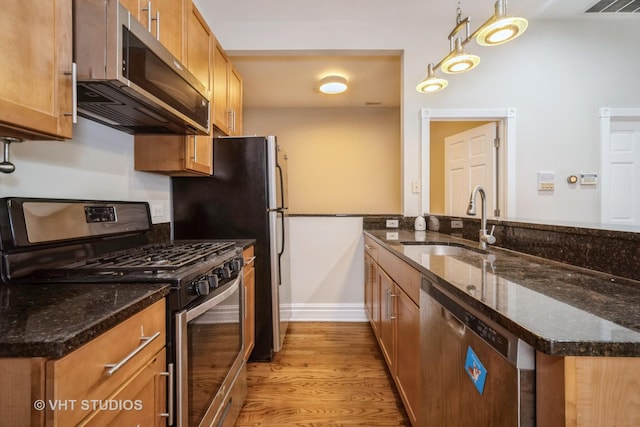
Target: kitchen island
[(583, 325)]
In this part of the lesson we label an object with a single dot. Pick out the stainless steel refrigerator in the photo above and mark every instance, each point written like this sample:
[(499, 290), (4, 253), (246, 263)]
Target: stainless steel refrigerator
[(246, 198)]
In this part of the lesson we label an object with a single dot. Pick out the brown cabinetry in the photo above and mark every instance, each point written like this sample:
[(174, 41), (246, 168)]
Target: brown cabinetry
[(249, 280), (392, 291), (227, 94), (36, 95), (192, 154), (164, 19), (116, 378), (587, 391)]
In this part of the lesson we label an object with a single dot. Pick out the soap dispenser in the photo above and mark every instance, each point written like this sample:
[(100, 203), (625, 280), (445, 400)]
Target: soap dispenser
[(420, 224)]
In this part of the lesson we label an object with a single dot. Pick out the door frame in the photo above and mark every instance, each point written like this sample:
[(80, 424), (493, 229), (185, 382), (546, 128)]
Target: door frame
[(606, 114), (508, 158)]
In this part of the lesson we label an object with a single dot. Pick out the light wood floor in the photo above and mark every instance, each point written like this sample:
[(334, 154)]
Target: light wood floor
[(327, 374)]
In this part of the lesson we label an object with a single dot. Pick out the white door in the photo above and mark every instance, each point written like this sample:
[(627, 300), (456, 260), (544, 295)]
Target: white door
[(469, 159), (621, 174)]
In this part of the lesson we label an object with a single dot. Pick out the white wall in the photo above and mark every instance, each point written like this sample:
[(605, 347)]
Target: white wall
[(96, 164), (549, 75), (327, 268)]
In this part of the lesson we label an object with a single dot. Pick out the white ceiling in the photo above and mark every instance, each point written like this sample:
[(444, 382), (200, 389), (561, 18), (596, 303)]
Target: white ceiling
[(289, 79)]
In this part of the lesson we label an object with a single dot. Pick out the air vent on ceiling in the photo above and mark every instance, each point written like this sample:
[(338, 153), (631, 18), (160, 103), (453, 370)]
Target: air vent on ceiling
[(615, 6)]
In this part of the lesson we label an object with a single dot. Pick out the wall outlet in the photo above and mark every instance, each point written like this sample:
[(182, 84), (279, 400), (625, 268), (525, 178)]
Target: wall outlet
[(415, 187), (456, 223), (157, 209), (392, 223)]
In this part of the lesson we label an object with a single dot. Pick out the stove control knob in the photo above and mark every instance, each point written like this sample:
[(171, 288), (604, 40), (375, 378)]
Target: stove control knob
[(213, 281), (201, 287), (226, 271)]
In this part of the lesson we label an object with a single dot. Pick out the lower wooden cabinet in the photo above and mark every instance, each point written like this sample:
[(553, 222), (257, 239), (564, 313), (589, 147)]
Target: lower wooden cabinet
[(391, 303), (587, 391), (117, 378), (249, 279)]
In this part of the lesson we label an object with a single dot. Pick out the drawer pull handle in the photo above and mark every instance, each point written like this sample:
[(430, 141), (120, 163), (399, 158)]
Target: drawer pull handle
[(113, 368), (249, 260)]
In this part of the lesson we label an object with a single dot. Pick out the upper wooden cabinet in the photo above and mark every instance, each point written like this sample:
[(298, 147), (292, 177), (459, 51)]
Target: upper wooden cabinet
[(174, 155), (36, 90), (178, 155), (198, 47), (165, 20), (227, 94)]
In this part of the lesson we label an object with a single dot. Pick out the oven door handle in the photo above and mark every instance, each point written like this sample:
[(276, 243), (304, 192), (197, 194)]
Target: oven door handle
[(217, 298)]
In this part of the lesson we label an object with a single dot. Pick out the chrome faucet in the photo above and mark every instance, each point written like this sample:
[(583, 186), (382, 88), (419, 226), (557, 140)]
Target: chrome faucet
[(484, 238)]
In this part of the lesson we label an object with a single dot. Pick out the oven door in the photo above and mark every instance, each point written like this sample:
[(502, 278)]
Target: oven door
[(209, 345)]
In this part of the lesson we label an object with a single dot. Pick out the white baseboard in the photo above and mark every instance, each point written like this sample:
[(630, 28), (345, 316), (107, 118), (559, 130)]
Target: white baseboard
[(328, 313)]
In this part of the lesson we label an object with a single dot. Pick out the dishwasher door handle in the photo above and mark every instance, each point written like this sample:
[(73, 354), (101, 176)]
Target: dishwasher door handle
[(455, 324)]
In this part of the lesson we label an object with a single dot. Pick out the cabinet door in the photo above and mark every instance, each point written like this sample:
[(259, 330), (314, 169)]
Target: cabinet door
[(167, 24), (199, 39), (408, 353), (36, 88), (141, 401), (220, 88), (235, 101), (249, 287), (199, 155), (387, 320)]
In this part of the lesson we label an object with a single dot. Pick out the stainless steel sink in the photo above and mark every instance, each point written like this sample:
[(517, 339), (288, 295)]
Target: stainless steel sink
[(433, 248)]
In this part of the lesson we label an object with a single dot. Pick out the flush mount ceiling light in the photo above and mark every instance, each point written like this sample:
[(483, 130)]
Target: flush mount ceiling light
[(431, 83), (498, 29), (332, 85)]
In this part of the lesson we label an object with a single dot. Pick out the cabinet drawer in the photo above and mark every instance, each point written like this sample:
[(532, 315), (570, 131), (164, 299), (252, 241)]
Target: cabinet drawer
[(404, 275), (85, 373), (371, 248)]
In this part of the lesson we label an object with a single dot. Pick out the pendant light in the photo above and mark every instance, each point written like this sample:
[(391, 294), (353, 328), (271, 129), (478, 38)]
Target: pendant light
[(459, 61), (498, 29), (431, 83)]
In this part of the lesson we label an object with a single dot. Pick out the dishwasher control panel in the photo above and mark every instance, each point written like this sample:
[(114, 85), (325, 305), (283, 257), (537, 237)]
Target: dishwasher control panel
[(490, 335)]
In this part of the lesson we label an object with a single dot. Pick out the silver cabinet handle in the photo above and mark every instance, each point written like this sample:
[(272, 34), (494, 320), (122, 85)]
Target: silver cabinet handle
[(250, 260), (233, 120), (113, 368), (74, 93), (229, 112), (170, 386), (195, 150), (157, 19), (148, 10), (392, 317)]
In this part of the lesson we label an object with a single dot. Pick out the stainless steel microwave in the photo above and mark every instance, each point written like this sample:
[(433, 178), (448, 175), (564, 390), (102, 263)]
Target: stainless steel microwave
[(128, 80)]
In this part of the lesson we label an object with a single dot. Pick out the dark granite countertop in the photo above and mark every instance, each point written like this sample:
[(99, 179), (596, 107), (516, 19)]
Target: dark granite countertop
[(557, 308), (51, 320)]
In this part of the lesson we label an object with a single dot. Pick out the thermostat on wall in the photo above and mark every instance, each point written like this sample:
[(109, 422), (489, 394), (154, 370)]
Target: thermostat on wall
[(588, 178), (546, 181)]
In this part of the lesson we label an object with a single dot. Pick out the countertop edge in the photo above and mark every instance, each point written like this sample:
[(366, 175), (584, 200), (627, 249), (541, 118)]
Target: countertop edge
[(539, 343), (61, 348)]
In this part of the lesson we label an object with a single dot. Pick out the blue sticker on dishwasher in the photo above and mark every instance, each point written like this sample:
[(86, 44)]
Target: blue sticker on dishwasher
[(476, 370)]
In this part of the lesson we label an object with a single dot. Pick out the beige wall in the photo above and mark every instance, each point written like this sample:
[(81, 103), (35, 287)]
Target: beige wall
[(341, 160), (438, 132)]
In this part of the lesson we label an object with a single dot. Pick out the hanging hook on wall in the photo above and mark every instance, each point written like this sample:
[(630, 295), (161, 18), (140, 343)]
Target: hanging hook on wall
[(6, 166)]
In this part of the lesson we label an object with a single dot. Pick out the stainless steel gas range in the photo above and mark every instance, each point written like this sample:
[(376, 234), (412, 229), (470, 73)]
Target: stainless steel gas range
[(88, 241)]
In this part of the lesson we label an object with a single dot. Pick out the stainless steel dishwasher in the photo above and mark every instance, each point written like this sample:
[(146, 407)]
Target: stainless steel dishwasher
[(474, 372)]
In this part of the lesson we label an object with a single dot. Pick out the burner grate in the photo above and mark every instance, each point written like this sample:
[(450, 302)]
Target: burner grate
[(170, 256)]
